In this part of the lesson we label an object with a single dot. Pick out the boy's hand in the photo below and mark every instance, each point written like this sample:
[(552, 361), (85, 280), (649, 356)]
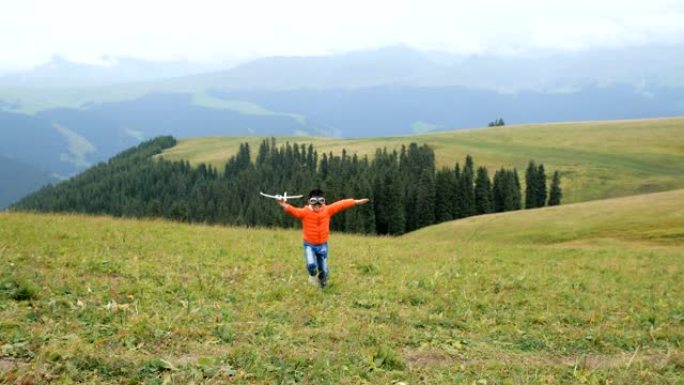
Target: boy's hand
[(361, 201), (281, 202)]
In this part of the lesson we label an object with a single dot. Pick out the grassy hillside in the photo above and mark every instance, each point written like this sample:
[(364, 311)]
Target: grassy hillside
[(511, 298), (655, 217), (596, 159)]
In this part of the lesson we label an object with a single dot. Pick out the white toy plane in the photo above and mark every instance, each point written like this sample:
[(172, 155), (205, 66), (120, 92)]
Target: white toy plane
[(283, 197)]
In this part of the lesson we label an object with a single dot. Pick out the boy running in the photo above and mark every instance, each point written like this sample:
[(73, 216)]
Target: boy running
[(315, 219)]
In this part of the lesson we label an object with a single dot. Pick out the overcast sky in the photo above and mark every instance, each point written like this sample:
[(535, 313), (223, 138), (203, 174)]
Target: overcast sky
[(31, 31)]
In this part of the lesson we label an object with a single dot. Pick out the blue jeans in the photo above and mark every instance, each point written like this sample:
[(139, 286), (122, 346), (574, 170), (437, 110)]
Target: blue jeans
[(317, 260)]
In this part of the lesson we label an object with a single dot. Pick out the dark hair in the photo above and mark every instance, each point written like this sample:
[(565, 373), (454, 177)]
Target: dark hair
[(316, 193)]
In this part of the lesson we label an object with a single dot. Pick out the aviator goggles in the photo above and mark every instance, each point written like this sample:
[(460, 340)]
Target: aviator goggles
[(316, 200)]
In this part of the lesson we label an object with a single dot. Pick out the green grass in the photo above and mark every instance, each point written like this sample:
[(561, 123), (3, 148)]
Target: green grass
[(655, 217), (512, 298), (597, 160)]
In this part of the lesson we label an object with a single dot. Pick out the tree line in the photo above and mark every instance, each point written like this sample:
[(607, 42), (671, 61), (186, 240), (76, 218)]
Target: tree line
[(407, 192)]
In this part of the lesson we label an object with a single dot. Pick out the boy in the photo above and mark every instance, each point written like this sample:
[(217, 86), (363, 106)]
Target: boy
[(315, 219)]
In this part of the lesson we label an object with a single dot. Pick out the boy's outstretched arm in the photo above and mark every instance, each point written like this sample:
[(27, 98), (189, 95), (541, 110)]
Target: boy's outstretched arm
[(297, 213), (345, 204)]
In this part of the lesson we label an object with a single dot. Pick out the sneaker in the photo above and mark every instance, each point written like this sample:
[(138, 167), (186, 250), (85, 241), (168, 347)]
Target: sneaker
[(323, 282), (313, 280)]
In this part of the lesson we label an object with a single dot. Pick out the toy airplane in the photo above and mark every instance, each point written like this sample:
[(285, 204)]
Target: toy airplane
[(283, 197)]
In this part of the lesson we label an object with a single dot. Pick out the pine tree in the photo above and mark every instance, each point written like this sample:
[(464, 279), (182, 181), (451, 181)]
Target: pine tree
[(236, 164), (467, 187), (396, 221), (444, 195), (556, 193), (380, 166), (541, 186), (425, 199), (506, 191), (410, 168), (323, 170), (515, 193), (357, 220), (483, 192), (264, 150), (458, 208), (366, 211), (531, 186), (312, 159), (500, 190)]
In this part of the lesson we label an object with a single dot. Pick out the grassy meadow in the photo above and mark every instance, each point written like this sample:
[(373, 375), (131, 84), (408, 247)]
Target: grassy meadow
[(586, 293), (597, 160)]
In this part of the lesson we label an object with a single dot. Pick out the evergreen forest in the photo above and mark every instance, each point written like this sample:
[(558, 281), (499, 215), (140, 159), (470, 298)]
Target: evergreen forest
[(406, 190)]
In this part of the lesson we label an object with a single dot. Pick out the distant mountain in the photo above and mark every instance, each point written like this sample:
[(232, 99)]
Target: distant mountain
[(382, 92), (401, 110), (60, 72), (34, 141), (18, 178), (645, 66), (400, 65)]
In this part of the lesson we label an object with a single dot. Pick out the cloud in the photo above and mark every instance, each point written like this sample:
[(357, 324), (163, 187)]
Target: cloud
[(211, 30)]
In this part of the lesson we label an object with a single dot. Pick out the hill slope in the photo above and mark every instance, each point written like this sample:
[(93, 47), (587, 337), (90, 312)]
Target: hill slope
[(656, 218), (97, 300), (597, 160)]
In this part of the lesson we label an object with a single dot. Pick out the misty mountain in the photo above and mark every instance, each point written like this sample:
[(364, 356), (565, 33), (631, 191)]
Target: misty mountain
[(641, 66), (60, 72), (18, 178), (402, 110), (386, 66), (384, 92), (31, 140), (400, 65)]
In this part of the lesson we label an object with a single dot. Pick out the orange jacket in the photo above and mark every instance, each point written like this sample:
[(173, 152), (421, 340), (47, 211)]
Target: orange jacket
[(316, 225)]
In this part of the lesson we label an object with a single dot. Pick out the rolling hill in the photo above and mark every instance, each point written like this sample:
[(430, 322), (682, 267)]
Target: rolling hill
[(586, 292), (655, 218), (88, 113), (515, 297), (596, 160)]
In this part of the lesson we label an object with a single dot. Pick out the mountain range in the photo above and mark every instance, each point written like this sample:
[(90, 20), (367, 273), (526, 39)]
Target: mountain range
[(62, 117), (641, 66)]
